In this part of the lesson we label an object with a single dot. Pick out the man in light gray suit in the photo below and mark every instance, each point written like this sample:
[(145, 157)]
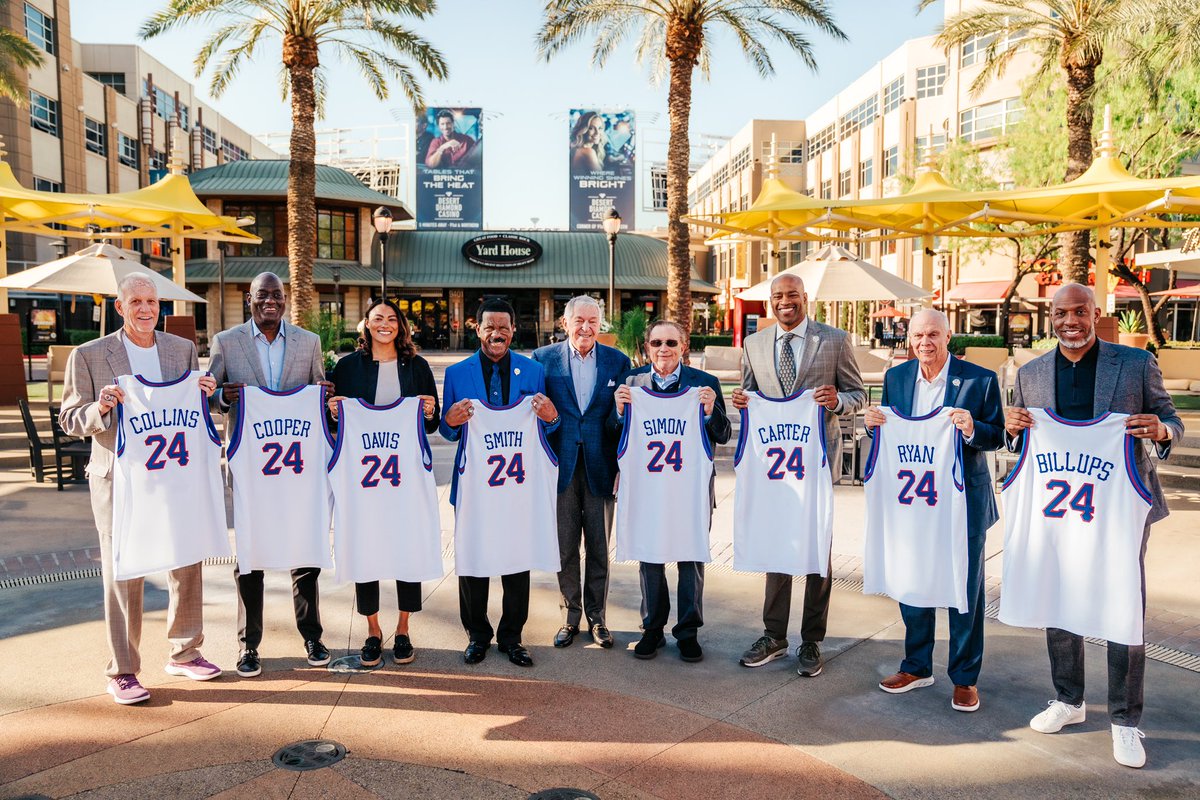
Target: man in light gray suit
[(797, 354), (269, 352), (90, 394), (1080, 379)]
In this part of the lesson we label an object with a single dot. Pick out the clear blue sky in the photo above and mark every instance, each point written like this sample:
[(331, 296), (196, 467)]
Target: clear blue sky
[(493, 64)]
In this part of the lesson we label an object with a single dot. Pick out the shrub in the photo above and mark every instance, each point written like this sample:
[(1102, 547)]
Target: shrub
[(960, 342), (1176, 344), (348, 345), (699, 341)]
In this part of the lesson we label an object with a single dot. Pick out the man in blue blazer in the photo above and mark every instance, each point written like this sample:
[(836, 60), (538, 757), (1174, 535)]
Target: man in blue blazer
[(972, 394), (498, 377), (581, 377)]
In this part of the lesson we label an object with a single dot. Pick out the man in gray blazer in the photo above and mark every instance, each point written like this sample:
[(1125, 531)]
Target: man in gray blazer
[(796, 354), (90, 394), (1084, 378), (269, 352)]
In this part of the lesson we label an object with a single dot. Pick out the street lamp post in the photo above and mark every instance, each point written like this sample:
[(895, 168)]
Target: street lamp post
[(612, 226), (383, 226), (337, 287), (944, 264)]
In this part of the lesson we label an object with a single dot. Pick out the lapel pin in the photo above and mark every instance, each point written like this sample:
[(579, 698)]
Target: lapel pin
[(517, 371), (956, 382)]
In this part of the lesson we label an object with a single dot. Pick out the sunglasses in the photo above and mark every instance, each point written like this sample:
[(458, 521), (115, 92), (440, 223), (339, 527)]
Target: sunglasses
[(660, 342)]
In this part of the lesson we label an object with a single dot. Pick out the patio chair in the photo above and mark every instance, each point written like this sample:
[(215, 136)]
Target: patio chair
[(70, 450), (37, 445)]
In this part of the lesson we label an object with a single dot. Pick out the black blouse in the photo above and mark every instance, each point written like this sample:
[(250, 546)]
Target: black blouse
[(357, 375)]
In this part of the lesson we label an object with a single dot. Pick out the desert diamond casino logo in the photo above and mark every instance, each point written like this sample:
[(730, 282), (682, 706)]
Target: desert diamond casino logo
[(449, 161), (602, 158)]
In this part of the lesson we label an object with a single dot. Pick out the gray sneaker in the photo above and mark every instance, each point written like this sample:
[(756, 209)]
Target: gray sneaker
[(811, 664), (764, 651)]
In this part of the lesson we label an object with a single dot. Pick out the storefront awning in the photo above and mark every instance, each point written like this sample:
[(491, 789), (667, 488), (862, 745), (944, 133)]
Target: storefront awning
[(243, 270), (979, 293)]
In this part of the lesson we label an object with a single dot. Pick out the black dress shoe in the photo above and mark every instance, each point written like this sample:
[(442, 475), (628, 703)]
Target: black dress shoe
[(475, 652), (517, 654), (690, 650), (648, 646), (566, 635), (601, 636), (317, 652)]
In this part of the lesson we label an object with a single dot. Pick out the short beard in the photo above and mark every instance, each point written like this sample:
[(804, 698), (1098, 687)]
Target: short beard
[(1078, 345)]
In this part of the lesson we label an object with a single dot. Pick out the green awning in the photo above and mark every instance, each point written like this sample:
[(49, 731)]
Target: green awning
[(243, 270), (269, 179)]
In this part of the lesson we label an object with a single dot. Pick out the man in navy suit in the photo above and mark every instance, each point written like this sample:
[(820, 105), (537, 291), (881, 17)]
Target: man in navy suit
[(498, 377), (666, 342), (972, 394), (581, 376)]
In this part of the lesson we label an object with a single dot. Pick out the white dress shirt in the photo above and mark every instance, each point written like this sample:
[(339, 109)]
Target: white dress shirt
[(930, 394), (797, 344), (270, 354), (583, 374)]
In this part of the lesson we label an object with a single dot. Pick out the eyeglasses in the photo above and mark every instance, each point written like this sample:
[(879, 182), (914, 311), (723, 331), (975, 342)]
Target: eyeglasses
[(661, 342)]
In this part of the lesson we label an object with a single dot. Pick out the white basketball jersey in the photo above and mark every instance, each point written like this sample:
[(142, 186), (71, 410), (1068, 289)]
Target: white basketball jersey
[(783, 503), (506, 514), (915, 548), (1074, 511), (168, 499), (385, 512), (278, 448), (663, 503)]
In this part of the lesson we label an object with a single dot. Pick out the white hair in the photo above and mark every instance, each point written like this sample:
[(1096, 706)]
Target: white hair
[(931, 313), (126, 284), (577, 301)]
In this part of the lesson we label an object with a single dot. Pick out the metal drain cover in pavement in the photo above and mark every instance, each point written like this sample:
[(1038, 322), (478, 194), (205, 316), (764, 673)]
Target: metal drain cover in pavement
[(310, 754), (563, 794), (352, 663)]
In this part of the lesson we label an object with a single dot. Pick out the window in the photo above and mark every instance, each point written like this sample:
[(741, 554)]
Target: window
[(740, 161), (705, 190), (925, 148), (127, 151), (337, 233), (114, 79), (744, 203), (95, 136), (893, 95), (827, 189), (720, 176), (43, 185), (974, 50), (658, 187), (822, 141), (43, 113), (786, 150), (930, 81), (39, 29), (862, 114), (844, 183), (270, 224), (891, 161), (232, 151), (158, 159), (208, 137), (988, 121), (866, 172), (183, 117)]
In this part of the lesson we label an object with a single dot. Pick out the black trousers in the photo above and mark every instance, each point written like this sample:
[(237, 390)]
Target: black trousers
[(656, 598), (1126, 666), (473, 603), (777, 606), (408, 597), (305, 600), (581, 511)]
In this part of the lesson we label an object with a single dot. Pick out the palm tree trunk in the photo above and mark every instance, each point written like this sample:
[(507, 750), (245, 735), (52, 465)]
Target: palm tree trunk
[(300, 56), (1076, 251), (679, 267)]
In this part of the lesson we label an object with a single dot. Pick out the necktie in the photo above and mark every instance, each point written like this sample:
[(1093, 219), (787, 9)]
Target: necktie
[(787, 363), (494, 387)]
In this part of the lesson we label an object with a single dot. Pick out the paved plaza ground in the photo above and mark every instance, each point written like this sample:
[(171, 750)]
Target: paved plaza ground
[(582, 717)]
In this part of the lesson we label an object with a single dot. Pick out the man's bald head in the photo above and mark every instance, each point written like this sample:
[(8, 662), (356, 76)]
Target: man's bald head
[(930, 316), (929, 334), (787, 279), (1073, 293), (267, 300), (789, 303), (1073, 314)]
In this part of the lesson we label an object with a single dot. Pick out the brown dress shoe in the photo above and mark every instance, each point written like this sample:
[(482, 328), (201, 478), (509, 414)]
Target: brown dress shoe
[(966, 698), (902, 682)]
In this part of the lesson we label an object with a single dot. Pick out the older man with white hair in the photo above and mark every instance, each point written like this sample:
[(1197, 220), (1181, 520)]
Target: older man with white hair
[(971, 396), (581, 376), (90, 393)]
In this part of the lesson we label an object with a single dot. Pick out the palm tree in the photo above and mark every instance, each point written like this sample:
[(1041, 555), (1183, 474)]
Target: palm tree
[(674, 41), (16, 53), (1069, 35), (359, 31)]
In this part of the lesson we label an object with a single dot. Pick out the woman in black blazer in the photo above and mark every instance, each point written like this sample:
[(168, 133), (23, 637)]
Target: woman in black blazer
[(385, 368)]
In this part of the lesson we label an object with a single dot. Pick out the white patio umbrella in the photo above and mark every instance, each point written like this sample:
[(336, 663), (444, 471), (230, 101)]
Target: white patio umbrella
[(834, 273), (94, 270)]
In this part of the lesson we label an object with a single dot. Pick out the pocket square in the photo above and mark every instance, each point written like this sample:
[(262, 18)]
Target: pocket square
[(612, 383)]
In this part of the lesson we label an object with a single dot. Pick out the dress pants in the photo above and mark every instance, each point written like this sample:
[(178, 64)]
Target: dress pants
[(305, 599), (656, 598), (408, 597), (966, 630), (777, 606), (123, 599), (579, 509), (1126, 666), (473, 602)]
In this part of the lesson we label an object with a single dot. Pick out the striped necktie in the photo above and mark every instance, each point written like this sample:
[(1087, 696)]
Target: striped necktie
[(787, 363)]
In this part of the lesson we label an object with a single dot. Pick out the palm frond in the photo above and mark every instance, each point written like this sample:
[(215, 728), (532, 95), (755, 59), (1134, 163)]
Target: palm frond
[(16, 54), (227, 68)]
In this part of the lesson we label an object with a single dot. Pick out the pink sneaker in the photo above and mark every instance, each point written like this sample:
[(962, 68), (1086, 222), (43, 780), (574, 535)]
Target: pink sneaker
[(197, 669), (126, 690)]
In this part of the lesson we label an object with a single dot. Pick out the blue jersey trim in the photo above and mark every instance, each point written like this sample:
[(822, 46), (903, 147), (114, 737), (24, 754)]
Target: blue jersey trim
[(1131, 445), (930, 415), (623, 442), (1012, 476), (120, 429), (423, 438), (235, 433), (821, 428), (373, 407), (791, 396), (708, 449), (956, 473), (869, 467), (285, 392), (1076, 423), (550, 454), (148, 382), (337, 442), (743, 435), (488, 405)]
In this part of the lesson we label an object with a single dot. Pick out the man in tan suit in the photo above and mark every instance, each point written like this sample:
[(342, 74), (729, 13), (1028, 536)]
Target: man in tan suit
[(90, 394), (797, 354)]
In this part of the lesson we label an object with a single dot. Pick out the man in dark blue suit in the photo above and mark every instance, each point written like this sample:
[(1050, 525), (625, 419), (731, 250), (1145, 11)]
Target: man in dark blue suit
[(498, 377), (581, 377), (666, 342), (936, 379)]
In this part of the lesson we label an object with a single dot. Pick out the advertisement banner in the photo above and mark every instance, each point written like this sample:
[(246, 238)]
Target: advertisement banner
[(602, 160), (450, 169)]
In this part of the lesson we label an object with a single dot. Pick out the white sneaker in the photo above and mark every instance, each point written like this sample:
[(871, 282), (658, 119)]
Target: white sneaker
[(1127, 746), (1058, 714)]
